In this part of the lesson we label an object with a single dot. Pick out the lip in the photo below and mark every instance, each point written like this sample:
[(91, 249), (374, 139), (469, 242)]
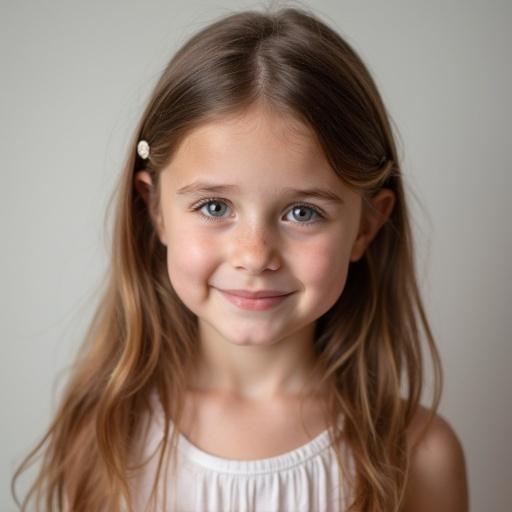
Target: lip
[(255, 304), (256, 294)]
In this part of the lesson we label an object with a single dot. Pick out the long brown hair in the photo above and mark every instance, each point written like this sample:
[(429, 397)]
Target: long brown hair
[(143, 338)]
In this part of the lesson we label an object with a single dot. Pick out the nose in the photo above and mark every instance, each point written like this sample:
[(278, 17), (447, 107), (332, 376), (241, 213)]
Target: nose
[(254, 251)]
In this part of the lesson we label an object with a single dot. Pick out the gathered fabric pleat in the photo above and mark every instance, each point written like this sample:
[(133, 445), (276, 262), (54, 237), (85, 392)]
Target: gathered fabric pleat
[(304, 479)]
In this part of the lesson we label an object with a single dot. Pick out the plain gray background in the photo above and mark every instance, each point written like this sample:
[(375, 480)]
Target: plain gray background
[(75, 77)]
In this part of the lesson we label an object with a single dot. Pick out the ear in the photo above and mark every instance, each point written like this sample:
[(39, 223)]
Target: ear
[(144, 185), (372, 220)]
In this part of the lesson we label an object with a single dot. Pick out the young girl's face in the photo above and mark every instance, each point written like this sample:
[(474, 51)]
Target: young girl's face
[(256, 230)]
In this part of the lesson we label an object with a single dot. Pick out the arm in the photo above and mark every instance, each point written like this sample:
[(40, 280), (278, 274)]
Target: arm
[(438, 471)]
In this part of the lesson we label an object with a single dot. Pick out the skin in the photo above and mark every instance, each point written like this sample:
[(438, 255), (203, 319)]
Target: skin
[(256, 241), (438, 481)]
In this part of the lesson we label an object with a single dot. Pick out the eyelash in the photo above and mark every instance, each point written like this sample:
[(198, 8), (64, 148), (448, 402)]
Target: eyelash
[(205, 201)]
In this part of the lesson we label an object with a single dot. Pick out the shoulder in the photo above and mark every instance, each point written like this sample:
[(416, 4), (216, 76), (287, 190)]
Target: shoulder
[(438, 469)]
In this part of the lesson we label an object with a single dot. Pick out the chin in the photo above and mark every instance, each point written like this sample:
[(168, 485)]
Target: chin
[(250, 341), (248, 338)]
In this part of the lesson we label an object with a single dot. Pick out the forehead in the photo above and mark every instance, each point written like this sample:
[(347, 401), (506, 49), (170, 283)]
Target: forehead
[(257, 144)]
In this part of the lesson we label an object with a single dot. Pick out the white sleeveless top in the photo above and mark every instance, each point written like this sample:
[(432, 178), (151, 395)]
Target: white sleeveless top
[(301, 480)]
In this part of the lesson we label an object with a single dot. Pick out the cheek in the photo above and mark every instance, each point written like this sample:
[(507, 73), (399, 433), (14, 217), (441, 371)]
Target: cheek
[(190, 259), (324, 270)]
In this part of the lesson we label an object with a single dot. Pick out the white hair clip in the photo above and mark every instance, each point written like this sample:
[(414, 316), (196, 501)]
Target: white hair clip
[(143, 149)]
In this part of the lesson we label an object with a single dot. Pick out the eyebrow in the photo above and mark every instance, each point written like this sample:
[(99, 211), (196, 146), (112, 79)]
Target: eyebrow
[(315, 192)]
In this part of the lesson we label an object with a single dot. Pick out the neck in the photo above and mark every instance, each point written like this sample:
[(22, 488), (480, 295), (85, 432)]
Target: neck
[(256, 373)]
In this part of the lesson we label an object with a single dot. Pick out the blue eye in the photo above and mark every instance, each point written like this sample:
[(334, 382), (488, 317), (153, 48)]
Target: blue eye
[(298, 211), (301, 208), (210, 210)]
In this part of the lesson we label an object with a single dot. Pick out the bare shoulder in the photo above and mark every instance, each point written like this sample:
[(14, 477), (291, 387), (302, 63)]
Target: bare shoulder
[(438, 480)]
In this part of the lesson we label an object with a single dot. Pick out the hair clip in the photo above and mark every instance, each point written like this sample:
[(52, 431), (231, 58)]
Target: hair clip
[(143, 149)]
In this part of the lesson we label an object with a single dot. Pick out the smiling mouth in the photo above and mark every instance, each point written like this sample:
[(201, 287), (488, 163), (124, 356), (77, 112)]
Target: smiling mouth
[(257, 294), (256, 304)]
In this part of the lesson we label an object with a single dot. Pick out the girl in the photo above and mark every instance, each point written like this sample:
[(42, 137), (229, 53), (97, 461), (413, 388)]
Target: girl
[(262, 315)]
